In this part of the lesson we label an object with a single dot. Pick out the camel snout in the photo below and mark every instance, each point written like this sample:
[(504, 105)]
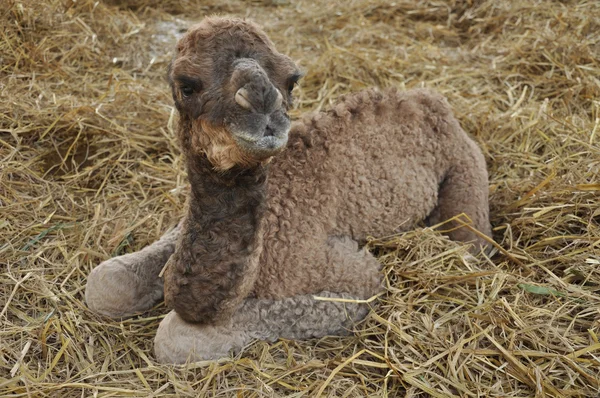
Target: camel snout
[(242, 97), (254, 91)]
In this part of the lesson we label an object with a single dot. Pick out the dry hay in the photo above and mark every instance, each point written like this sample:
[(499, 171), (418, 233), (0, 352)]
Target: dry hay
[(90, 169)]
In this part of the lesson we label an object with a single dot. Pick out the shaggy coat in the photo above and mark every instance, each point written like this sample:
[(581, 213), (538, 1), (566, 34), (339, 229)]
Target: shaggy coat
[(339, 180), (277, 214)]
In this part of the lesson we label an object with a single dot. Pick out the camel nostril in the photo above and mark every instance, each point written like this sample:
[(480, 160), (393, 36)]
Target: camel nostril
[(242, 97), (269, 131)]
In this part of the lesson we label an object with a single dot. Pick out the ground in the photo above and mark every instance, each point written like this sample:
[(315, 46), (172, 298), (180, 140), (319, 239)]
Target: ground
[(90, 169)]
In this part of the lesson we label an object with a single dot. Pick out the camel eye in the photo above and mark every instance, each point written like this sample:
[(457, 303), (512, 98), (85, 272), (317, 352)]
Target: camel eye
[(187, 91), (188, 85)]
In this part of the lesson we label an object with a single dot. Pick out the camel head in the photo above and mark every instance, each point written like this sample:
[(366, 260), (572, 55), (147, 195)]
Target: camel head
[(232, 90)]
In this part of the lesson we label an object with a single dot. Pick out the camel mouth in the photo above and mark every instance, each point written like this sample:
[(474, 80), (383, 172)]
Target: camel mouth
[(261, 136), (271, 143)]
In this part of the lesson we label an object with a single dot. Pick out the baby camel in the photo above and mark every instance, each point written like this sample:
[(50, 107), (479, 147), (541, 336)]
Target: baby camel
[(264, 233)]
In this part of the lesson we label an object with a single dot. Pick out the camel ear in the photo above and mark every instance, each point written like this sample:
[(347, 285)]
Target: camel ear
[(290, 83), (171, 82), (293, 80)]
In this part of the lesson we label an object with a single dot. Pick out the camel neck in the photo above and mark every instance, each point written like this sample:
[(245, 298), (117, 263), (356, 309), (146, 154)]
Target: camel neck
[(217, 194), (215, 264)]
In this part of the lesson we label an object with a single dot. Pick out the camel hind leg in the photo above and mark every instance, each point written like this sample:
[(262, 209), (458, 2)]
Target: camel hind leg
[(465, 190)]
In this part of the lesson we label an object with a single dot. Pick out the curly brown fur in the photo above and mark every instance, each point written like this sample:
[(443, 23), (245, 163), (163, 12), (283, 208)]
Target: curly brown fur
[(373, 164)]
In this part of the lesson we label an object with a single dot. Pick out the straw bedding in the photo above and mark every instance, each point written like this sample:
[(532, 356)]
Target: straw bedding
[(89, 169)]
